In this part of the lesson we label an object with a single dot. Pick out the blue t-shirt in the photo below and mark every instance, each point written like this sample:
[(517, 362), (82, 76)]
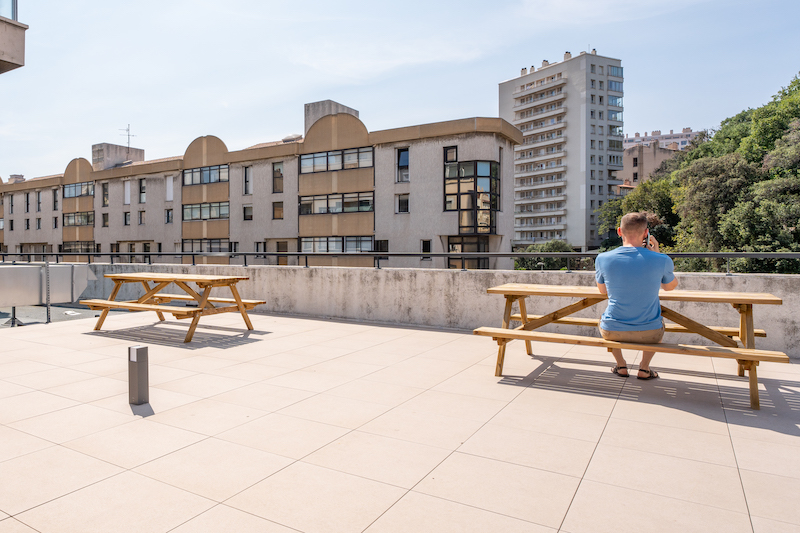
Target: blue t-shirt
[(633, 277)]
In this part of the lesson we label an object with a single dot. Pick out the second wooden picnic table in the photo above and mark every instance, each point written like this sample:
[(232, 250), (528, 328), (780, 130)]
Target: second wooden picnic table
[(153, 299)]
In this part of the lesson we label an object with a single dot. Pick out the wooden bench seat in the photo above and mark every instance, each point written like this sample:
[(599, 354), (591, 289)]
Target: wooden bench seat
[(133, 306), (249, 304), (669, 326), (746, 357)]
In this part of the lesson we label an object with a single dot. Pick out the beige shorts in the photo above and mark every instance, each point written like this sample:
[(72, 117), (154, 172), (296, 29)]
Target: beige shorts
[(650, 336)]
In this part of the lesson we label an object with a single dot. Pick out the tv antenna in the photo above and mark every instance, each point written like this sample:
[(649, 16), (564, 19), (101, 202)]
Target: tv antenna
[(129, 135)]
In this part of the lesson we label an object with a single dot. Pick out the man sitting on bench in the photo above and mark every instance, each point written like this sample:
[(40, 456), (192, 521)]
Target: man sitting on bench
[(631, 276)]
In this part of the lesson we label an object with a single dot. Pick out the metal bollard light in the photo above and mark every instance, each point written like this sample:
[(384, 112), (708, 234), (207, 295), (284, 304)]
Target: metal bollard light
[(138, 380)]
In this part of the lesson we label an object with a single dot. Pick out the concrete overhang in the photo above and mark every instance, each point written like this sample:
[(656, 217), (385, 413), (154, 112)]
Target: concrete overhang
[(12, 44)]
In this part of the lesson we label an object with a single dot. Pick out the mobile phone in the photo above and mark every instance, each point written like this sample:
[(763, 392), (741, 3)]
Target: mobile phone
[(646, 239)]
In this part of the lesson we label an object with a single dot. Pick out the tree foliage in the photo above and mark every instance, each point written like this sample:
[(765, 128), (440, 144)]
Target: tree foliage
[(544, 263)]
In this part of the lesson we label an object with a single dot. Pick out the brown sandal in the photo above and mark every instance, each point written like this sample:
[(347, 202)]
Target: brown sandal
[(651, 374), (616, 370)]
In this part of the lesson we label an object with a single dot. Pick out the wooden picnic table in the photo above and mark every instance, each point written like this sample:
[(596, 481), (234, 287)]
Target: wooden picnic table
[(726, 337), (154, 300)]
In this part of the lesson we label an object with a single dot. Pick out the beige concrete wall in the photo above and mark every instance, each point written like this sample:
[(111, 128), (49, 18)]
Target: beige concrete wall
[(12, 44), (458, 299)]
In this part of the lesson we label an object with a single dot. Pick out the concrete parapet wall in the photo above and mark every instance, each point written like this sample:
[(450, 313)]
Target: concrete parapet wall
[(458, 299)]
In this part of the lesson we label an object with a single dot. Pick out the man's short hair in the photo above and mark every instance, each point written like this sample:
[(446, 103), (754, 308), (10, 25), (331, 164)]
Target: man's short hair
[(633, 223)]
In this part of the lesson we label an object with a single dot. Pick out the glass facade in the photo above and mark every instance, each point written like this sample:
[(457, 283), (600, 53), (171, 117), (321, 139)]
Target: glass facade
[(336, 160), (74, 190), (336, 203), (473, 189), (208, 211), (202, 175)]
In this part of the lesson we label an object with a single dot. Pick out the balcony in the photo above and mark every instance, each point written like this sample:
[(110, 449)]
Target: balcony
[(546, 84), (546, 127), (540, 185), (541, 101), (545, 113), (357, 413), (541, 157), (538, 144), (12, 37), (540, 171)]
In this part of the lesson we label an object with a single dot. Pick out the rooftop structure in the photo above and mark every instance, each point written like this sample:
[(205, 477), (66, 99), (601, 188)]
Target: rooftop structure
[(570, 114), (12, 37), (672, 140)]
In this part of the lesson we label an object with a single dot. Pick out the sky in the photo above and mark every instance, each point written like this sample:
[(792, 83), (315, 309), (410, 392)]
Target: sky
[(243, 69)]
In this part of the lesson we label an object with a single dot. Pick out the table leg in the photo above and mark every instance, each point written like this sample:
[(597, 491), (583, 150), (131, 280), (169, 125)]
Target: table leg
[(147, 290), (751, 371), (196, 318), (104, 313), (239, 303), (523, 313), (746, 331), (501, 350)]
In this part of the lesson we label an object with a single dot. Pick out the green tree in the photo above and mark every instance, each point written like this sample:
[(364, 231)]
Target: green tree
[(546, 263)]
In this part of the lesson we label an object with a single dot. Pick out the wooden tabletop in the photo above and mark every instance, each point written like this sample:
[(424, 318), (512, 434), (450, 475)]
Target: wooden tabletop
[(524, 289), (160, 276)]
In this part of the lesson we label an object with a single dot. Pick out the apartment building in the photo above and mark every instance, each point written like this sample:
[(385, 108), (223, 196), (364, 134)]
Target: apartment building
[(570, 115), (639, 161), (672, 141), (430, 188)]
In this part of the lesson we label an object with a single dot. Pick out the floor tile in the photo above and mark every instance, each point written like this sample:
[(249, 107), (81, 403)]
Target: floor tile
[(317, 500), (600, 508), (134, 443), (419, 512), (160, 400), (528, 448), (263, 396), (203, 385), (424, 428), (49, 378), (284, 435), (71, 423), (505, 488), (770, 496), (124, 503), (309, 380), (682, 479), (15, 443), (213, 468), (552, 421), (11, 389), (32, 404), (392, 461), (376, 392), (767, 457), (689, 414), (208, 417), (457, 405), (90, 390), (765, 525), (12, 525), (39, 477), (676, 442), (335, 410), (221, 518)]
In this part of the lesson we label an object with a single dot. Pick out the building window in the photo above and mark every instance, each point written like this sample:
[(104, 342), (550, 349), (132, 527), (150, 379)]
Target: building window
[(635, 177), (141, 218), (126, 195), (55, 222), (10, 225), (600, 115), (206, 245), (591, 99), (277, 177), (38, 201), (592, 84), (247, 212), (600, 159), (426, 249), (336, 203), (168, 216), (591, 69), (84, 247), (615, 101), (451, 154), (75, 190), (27, 202), (27, 223), (615, 115), (85, 218), (336, 160), (600, 100), (591, 159), (277, 210), (478, 243), (591, 113), (473, 189), (402, 164), (55, 199), (614, 71), (142, 191), (105, 194), (348, 244), (38, 223), (600, 144), (601, 85), (591, 189), (591, 144), (203, 175), (126, 218), (208, 211), (248, 180), (635, 161), (11, 204), (591, 174), (105, 220), (615, 86), (169, 182), (401, 204)]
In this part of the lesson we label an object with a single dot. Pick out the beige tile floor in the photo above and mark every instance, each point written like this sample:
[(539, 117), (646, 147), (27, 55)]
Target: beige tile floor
[(320, 426)]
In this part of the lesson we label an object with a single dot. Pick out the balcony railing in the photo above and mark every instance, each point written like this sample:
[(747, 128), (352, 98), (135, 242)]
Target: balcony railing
[(8, 9)]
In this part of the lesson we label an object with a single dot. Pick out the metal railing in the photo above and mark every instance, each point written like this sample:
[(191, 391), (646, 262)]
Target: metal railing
[(377, 257)]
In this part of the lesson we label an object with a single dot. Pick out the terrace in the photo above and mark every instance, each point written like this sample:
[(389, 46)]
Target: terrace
[(371, 424)]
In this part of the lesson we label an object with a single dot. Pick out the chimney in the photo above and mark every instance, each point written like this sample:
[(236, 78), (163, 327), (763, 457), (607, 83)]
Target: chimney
[(656, 132), (523, 72), (645, 134), (545, 63), (567, 55), (15, 178), (636, 134), (687, 130), (594, 52), (670, 132)]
